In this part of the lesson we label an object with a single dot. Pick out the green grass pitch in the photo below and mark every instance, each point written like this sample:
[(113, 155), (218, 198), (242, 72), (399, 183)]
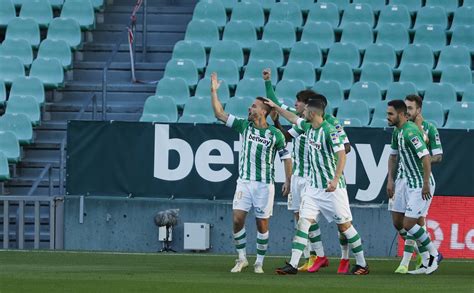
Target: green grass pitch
[(107, 272)]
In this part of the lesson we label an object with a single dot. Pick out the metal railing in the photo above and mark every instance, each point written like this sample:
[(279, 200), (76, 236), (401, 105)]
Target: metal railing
[(48, 169), (56, 220)]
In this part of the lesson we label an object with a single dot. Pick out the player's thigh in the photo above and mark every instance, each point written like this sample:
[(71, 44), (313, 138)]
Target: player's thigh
[(242, 196), (399, 200), (336, 206), (416, 205), (309, 208), (294, 197), (263, 195)]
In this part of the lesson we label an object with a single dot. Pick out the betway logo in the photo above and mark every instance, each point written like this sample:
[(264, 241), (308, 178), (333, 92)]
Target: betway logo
[(202, 160), (260, 140)]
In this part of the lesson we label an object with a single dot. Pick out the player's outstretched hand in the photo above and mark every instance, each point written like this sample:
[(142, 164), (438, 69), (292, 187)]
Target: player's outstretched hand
[(267, 74), (390, 188), (285, 190), (332, 185), (270, 103), (215, 83), (425, 192)]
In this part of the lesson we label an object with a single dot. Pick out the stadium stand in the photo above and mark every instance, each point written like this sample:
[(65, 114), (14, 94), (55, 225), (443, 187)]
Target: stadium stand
[(193, 51)]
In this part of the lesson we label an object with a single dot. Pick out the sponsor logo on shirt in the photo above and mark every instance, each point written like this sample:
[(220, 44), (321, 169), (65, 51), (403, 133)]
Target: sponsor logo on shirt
[(437, 140), (314, 144), (416, 142), (339, 129), (260, 140), (335, 138)]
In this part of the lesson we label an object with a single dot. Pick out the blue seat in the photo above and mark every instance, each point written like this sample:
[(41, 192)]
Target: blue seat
[(306, 51), (399, 90), (354, 109), (395, 14), (380, 53), (340, 72), (300, 70), (468, 95), (287, 11), (159, 109), (10, 68), (249, 11), (20, 125), (281, 32), (255, 68), (174, 87), (267, 50), (412, 5), (24, 28), (228, 50), (226, 70), (419, 74), (250, 88), (3, 93), (432, 35), (19, 48), (461, 111), (463, 17), (239, 106), (203, 90), (393, 34), (242, 32), (182, 68), (376, 5), (341, 4), (449, 5), (367, 91), (199, 106), (379, 122), (190, 50), (462, 36), (459, 76), (196, 118), (417, 54), (7, 13), (444, 93), (211, 10), (359, 34), (344, 52), (431, 15), (380, 73), (287, 89), (204, 31), (10, 146), (332, 90), (28, 86), (320, 33), (453, 55), (358, 12), (324, 12), (25, 105), (433, 111)]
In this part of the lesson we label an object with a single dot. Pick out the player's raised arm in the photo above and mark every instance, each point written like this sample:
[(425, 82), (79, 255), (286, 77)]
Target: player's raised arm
[(267, 76), (292, 118), (216, 104)]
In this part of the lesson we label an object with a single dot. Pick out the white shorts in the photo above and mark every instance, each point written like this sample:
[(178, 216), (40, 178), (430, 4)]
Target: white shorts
[(333, 205), (409, 200), (257, 194), (298, 185)]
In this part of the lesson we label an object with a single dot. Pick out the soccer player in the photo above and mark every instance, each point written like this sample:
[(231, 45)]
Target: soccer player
[(414, 105), (411, 194), (326, 192), (255, 186), (315, 258)]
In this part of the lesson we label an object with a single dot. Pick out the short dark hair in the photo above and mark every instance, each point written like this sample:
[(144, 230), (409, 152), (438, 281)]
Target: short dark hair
[(415, 98), (398, 105), (265, 106), (321, 98), (316, 103), (305, 95)]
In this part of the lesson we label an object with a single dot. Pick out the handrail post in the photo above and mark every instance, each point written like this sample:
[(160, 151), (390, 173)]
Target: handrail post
[(104, 93), (50, 176), (94, 106), (144, 30)]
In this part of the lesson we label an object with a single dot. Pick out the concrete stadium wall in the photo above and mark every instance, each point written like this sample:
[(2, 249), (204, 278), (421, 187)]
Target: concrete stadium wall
[(127, 225)]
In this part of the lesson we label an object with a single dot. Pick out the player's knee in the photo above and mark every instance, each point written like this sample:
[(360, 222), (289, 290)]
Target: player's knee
[(344, 226)]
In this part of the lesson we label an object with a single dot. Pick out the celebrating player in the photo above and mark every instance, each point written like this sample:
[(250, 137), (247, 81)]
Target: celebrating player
[(410, 196), (255, 186), (326, 192)]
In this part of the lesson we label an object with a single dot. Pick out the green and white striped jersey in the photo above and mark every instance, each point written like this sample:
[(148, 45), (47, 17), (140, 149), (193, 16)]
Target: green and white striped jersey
[(259, 147), (323, 144), (408, 144)]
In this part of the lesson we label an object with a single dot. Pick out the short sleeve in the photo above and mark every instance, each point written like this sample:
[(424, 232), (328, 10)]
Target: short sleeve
[(302, 124), (434, 141), (415, 142), (335, 141), (341, 132), (295, 131), (238, 124), (394, 143)]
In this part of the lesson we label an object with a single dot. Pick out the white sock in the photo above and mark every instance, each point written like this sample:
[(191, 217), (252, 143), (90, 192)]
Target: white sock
[(262, 245), (408, 250), (240, 241), (421, 235), (306, 252), (344, 246), (356, 245), (315, 239), (299, 241)]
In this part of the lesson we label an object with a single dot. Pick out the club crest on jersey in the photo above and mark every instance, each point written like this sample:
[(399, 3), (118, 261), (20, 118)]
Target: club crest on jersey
[(260, 140), (416, 142)]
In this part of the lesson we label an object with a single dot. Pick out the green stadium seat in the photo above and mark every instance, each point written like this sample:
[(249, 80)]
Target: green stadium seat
[(359, 34), (449, 5), (226, 70), (412, 5), (380, 111), (431, 15), (366, 91), (462, 111), (462, 36), (203, 31), (10, 68), (19, 48), (28, 86), (239, 106), (459, 124), (380, 53), (354, 109), (3, 93), (376, 5), (344, 52), (67, 30), (453, 55), (324, 12), (433, 111), (419, 74), (380, 73), (468, 95), (97, 4), (468, 3), (320, 33), (249, 11), (393, 34), (49, 71), (417, 54), (444, 93), (25, 105), (56, 49), (38, 10), (300, 70), (191, 50), (459, 76), (203, 90), (20, 125), (306, 51), (341, 4), (211, 10), (399, 90), (282, 32), (7, 13), (156, 108), (340, 72), (287, 89), (250, 88), (229, 50), (432, 35), (175, 88), (4, 169), (183, 68), (266, 4), (80, 11), (23, 28), (267, 50), (358, 12), (463, 16), (395, 14), (286, 11), (255, 68), (379, 122), (243, 32), (305, 5), (10, 146), (196, 118), (199, 106), (332, 90)]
